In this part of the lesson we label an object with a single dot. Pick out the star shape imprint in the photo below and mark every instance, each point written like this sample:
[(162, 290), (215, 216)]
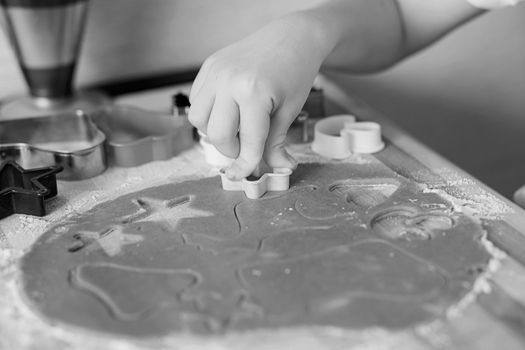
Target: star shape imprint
[(23, 191)]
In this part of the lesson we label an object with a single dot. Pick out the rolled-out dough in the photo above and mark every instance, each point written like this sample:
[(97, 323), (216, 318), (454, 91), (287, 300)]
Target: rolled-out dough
[(350, 246)]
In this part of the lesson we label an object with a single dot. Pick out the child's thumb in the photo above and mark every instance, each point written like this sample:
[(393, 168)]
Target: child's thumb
[(275, 154), (279, 158)]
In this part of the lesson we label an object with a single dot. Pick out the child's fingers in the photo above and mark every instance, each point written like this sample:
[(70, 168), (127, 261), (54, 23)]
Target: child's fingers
[(253, 131), (200, 109), (200, 79), (223, 125), (275, 154)]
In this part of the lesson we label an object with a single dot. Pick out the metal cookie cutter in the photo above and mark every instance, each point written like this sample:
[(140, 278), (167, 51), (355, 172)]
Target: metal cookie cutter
[(278, 180), (339, 136), (23, 191), (69, 140), (137, 136)]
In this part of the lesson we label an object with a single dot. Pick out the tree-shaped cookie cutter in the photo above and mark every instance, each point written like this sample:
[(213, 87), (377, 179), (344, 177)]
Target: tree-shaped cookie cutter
[(339, 136), (278, 180)]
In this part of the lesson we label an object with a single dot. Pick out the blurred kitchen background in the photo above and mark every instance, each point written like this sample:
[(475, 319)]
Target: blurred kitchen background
[(464, 97)]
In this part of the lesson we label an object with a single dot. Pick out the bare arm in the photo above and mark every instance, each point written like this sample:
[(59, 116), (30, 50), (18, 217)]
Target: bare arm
[(367, 35)]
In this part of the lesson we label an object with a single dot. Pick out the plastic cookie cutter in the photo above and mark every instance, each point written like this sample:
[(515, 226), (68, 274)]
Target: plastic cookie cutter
[(136, 136), (23, 191), (339, 136), (70, 140), (278, 180)]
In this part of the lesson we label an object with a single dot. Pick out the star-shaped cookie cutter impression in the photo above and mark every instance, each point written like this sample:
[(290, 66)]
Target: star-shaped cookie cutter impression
[(23, 191), (278, 180)]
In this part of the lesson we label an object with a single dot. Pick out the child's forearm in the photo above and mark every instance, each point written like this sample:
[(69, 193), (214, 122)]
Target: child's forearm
[(369, 35)]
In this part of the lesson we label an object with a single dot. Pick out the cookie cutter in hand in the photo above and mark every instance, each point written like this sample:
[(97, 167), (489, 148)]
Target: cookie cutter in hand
[(136, 136), (70, 140), (339, 136), (278, 180)]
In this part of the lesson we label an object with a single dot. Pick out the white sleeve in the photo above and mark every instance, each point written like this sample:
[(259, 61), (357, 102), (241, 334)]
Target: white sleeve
[(493, 4)]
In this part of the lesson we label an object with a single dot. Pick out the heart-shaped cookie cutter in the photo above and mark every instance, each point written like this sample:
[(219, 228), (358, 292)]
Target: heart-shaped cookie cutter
[(339, 136), (69, 140), (278, 180), (136, 136)]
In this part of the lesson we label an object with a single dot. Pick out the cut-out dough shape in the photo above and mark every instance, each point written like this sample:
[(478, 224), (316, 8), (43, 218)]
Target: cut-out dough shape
[(105, 281), (340, 135), (111, 240), (365, 193), (410, 224), (279, 180)]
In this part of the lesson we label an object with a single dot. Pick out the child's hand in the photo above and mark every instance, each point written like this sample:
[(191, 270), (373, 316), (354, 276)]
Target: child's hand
[(246, 95)]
